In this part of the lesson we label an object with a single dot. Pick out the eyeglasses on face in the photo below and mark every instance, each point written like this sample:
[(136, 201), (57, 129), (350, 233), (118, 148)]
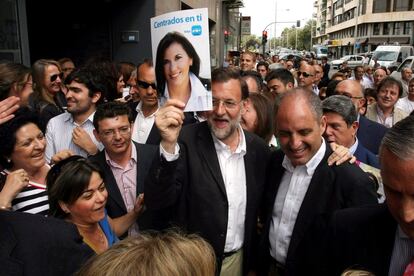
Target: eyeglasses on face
[(347, 94), (304, 74), (145, 85), (109, 133), (228, 104), (55, 76)]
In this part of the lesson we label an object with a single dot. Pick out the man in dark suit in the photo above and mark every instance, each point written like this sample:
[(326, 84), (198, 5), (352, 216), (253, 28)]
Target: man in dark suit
[(369, 133), (214, 185), (305, 191), (341, 128), (35, 245), (124, 162), (380, 239)]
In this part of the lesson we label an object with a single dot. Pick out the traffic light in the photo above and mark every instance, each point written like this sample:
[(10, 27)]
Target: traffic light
[(226, 36), (298, 23), (264, 37)]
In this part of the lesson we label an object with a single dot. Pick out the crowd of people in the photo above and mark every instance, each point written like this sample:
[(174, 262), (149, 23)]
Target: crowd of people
[(291, 170)]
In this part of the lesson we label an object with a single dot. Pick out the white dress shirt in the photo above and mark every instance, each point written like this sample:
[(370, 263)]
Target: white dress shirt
[(292, 191), (142, 125), (234, 177), (59, 135)]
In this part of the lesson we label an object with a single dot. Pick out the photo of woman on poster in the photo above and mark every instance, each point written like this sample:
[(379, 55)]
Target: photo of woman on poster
[(177, 68)]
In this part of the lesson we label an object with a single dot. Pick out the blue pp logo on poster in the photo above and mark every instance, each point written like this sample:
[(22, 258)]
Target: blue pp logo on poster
[(196, 30)]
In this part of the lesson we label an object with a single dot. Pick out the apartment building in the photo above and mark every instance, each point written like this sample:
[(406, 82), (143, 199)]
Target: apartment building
[(359, 26)]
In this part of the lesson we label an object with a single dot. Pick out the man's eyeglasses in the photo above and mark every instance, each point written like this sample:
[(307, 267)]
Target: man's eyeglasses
[(346, 94), (305, 74), (145, 85), (111, 132), (55, 76), (228, 104)]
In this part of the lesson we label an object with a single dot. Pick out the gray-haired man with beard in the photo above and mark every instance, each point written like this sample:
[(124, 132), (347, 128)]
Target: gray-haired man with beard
[(212, 183)]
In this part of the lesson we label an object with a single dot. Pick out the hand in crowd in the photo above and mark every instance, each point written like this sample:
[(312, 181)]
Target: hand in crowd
[(61, 155), (7, 108), (340, 155), (15, 182), (169, 120), (82, 139), (139, 204)]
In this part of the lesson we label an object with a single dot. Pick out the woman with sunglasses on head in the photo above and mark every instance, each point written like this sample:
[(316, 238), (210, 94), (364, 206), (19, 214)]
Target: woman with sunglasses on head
[(48, 98), (177, 68), (78, 194)]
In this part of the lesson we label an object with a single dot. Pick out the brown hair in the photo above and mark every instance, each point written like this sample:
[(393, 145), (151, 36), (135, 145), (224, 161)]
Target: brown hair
[(264, 110), (169, 253)]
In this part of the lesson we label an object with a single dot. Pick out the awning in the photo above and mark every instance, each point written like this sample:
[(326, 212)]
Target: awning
[(399, 39), (377, 40)]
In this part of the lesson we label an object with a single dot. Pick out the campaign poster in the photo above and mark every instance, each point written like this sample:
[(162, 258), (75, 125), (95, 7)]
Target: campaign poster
[(181, 54)]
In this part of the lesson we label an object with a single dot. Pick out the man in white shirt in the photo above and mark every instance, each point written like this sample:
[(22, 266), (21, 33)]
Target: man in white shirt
[(212, 183), (74, 130), (305, 190), (144, 128), (407, 103)]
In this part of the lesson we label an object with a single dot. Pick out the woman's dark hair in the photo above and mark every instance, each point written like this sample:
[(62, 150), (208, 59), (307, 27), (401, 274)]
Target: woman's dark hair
[(67, 180), (264, 110), (23, 116), (11, 73), (166, 41)]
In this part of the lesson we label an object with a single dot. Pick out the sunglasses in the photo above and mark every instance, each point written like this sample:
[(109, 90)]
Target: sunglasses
[(145, 85), (305, 75), (55, 76)]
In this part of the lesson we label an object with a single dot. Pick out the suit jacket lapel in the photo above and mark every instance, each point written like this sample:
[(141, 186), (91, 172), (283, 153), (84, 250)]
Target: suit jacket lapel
[(208, 152), (154, 137), (143, 165), (111, 185), (249, 163)]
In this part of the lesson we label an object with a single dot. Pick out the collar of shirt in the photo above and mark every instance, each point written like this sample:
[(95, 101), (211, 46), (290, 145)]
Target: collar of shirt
[(139, 109), (312, 163), (401, 233), (381, 113), (241, 147), (353, 148), (134, 157), (69, 116)]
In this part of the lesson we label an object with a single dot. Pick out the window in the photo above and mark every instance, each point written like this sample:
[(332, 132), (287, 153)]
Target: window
[(387, 28), (376, 29), (363, 7), (402, 5), (397, 29), (407, 28), (381, 6)]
